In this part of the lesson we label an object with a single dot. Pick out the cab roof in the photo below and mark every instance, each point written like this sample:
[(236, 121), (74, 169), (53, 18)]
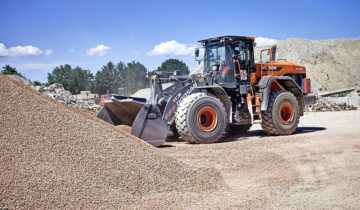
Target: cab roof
[(228, 38)]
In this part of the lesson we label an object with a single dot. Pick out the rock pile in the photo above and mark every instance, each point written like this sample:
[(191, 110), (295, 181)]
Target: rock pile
[(58, 92), (324, 105), (57, 157)]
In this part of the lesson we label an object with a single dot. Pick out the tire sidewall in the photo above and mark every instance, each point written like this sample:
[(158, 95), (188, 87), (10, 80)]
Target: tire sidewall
[(195, 131), (281, 99)]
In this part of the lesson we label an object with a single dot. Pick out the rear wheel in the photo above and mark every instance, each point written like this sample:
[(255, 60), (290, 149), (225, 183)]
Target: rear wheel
[(238, 129), (201, 118), (283, 113)]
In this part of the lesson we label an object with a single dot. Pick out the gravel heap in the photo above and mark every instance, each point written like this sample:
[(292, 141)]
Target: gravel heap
[(19, 79), (324, 105), (58, 92), (145, 93), (54, 156), (331, 64), (199, 69)]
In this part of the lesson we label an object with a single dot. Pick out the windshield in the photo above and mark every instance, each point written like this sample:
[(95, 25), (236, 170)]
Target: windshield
[(219, 54)]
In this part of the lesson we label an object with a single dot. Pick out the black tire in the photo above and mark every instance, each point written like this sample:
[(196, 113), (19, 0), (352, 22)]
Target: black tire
[(282, 115), (238, 129), (201, 118)]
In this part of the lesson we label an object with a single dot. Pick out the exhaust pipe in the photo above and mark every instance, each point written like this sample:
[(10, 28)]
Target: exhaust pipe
[(273, 51)]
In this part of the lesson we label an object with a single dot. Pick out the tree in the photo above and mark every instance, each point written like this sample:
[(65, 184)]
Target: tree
[(36, 83), (8, 70), (170, 65), (134, 76), (60, 75), (74, 80), (109, 78), (80, 80), (119, 75)]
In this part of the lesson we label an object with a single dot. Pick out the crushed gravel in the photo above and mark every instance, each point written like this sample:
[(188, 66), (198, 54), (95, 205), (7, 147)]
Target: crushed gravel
[(54, 156), (331, 64)]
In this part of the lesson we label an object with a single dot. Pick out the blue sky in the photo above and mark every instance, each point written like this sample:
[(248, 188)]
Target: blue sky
[(36, 36)]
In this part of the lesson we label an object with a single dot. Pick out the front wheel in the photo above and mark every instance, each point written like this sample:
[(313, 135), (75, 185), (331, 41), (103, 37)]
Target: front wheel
[(201, 118), (283, 114)]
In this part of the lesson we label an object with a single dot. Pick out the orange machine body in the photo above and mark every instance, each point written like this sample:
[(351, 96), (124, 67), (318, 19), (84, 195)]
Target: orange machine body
[(276, 68)]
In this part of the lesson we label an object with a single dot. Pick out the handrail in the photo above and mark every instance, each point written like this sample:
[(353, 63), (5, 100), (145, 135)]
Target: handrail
[(270, 70)]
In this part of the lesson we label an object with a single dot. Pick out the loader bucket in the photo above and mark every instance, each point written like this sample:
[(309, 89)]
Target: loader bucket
[(121, 110), (149, 126)]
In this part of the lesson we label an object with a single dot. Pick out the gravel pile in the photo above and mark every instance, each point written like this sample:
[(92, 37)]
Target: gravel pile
[(54, 156), (58, 92), (20, 79), (145, 93), (331, 64), (323, 105)]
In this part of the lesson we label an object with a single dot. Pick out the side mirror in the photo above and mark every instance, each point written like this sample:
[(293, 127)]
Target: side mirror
[(197, 52), (273, 50)]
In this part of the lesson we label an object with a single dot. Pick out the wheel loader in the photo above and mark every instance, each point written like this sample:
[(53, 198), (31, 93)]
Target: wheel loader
[(230, 95)]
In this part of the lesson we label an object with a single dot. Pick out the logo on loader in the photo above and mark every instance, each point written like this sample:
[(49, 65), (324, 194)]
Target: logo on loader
[(186, 93), (176, 97)]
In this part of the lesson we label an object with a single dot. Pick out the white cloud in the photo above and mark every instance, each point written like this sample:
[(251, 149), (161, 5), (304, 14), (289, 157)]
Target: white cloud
[(99, 50), (172, 48), (263, 41), (22, 51), (48, 52), (71, 50)]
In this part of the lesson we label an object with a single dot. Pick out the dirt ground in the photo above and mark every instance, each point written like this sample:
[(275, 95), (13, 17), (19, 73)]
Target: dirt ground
[(317, 168)]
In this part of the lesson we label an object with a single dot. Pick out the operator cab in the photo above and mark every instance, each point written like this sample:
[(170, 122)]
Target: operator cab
[(230, 57)]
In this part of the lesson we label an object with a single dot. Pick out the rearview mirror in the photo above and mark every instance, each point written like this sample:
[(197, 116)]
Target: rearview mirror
[(197, 52)]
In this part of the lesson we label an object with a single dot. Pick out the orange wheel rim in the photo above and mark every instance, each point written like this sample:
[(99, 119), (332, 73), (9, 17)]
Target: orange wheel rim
[(207, 119), (286, 113)]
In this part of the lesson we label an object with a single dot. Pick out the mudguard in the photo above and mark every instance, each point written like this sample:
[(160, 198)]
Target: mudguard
[(285, 81)]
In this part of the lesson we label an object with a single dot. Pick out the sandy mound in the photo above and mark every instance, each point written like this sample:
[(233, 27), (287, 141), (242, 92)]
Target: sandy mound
[(145, 93), (53, 156), (331, 64)]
